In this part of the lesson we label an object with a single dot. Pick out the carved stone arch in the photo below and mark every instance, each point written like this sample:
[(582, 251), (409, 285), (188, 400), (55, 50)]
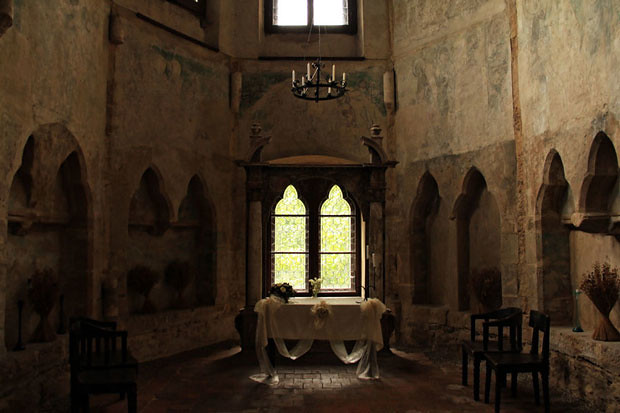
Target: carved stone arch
[(197, 219), (150, 208), (478, 235), (50, 224), (423, 211), (20, 193), (597, 190), (553, 246)]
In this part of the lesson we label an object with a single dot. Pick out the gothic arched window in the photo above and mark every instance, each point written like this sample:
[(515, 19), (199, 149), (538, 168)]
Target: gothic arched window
[(289, 252), (318, 238), (337, 249)]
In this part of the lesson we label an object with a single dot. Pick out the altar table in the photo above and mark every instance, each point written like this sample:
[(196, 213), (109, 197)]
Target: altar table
[(309, 319)]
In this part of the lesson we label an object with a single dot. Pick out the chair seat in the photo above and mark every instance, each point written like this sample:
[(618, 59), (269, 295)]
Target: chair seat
[(97, 361), (116, 376), (477, 347), (525, 360)]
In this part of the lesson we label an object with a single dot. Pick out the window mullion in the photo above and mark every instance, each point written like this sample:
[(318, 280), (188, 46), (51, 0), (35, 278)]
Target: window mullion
[(310, 13)]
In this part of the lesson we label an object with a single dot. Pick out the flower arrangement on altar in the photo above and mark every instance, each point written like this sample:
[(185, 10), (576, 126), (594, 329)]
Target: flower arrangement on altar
[(315, 283), (282, 290), (321, 312)]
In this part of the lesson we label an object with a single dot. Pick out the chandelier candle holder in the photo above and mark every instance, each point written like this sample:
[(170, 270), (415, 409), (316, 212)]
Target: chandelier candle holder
[(312, 87)]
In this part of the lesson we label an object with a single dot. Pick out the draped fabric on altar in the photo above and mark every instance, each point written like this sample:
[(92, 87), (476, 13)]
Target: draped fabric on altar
[(342, 320)]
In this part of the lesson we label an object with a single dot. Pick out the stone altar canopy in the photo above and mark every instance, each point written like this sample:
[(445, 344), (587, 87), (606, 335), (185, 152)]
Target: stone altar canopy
[(266, 181)]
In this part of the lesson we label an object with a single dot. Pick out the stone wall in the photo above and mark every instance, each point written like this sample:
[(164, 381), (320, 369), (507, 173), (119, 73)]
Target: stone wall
[(139, 97), (525, 92), (453, 118)]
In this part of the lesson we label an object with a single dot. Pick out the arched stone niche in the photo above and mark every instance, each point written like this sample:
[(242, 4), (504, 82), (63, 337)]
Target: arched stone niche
[(196, 233), (423, 215), (595, 236), (554, 245), (149, 220), (48, 227), (149, 211), (599, 192), (478, 235)]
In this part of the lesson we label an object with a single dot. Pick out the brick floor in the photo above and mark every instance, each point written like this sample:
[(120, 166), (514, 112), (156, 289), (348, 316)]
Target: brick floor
[(218, 381)]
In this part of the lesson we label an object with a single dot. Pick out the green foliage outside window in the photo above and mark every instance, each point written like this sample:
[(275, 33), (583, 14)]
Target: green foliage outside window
[(336, 237), (290, 237), (290, 249)]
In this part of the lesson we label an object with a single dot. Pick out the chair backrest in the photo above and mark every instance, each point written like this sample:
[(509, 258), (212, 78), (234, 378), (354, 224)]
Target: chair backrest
[(93, 342), (510, 318), (509, 313), (540, 323)]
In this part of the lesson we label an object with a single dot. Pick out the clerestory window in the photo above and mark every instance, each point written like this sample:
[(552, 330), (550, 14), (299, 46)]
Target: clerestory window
[(317, 239), (195, 6), (335, 16)]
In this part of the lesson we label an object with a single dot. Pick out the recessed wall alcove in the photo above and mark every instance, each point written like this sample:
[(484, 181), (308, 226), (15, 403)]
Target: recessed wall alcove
[(554, 246), (48, 227), (478, 235), (149, 220), (424, 213), (155, 241), (597, 191), (595, 238), (196, 236)]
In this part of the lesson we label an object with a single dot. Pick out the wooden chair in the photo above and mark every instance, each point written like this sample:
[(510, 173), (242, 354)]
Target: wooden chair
[(100, 363), (514, 363), (510, 318)]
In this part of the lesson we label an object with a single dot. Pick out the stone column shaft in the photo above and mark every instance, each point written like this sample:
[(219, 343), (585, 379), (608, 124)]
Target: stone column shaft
[(255, 253)]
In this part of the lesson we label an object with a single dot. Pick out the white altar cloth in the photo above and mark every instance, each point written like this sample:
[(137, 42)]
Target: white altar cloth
[(346, 320)]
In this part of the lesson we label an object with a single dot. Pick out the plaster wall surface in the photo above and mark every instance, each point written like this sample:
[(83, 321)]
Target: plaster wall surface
[(243, 34), (532, 76), (454, 112), (301, 127), (568, 70), (478, 84), (52, 72)]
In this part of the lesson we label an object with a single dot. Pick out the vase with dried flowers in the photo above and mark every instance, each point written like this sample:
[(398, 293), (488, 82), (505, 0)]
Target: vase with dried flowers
[(178, 277), (602, 286), (486, 286), (142, 279), (315, 283), (43, 294)]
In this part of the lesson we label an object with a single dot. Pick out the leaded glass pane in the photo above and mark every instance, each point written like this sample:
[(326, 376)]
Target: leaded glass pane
[(290, 204), (290, 234), (331, 12), (290, 268), (336, 271), (335, 234), (290, 12), (290, 240), (335, 204)]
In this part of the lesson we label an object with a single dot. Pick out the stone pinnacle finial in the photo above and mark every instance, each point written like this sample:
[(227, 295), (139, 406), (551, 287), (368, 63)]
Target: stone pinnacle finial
[(256, 130), (375, 133)]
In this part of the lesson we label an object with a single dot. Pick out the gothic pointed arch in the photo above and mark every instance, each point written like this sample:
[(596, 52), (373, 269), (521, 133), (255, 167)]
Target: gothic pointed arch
[(49, 225), (197, 226), (423, 212), (597, 193), (478, 237), (149, 209), (554, 246)]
